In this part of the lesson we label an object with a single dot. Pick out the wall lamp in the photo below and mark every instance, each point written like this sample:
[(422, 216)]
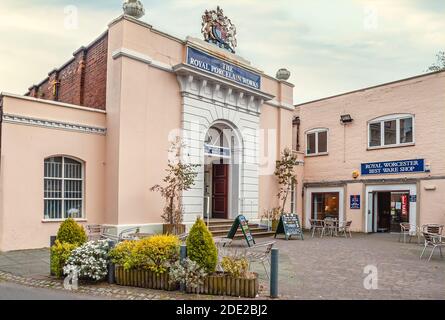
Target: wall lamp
[(346, 118)]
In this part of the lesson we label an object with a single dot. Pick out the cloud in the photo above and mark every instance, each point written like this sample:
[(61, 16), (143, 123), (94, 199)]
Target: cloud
[(329, 46)]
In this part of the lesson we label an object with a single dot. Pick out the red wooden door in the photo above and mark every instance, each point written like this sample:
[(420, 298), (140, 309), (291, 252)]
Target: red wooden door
[(220, 191)]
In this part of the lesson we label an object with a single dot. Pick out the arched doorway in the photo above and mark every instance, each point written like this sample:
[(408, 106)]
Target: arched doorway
[(222, 161)]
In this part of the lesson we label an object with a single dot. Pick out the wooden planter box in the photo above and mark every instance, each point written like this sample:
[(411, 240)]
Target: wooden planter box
[(224, 285), (143, 279), (174, 229)]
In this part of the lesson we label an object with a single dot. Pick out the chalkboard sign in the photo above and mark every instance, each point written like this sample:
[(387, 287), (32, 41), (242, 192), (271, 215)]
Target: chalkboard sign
[(289, 225), (241, 222)]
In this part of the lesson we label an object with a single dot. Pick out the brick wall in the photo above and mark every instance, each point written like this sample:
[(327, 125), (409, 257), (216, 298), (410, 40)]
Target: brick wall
[(81, 80)]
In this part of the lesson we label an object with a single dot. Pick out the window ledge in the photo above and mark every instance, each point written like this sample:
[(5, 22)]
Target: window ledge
[(61, 220), (392, 146), (317, 154)]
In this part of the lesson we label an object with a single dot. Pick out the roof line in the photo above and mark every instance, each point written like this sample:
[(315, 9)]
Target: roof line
[(371, 87)]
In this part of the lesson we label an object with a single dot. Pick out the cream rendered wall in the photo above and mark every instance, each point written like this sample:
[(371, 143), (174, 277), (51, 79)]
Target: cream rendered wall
[(24, 149), (142, 112), (432, 201), (355, 215)]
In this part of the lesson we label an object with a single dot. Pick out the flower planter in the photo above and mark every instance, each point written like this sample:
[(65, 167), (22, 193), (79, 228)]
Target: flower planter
[(224, 285), (174, 229), (143, 279)]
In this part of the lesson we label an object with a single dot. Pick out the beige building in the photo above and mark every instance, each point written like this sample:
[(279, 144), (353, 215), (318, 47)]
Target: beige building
[(91, 139), (385, 163)]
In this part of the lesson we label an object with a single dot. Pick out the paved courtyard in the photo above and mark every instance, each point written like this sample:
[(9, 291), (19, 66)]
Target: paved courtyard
[(333, 268), (328, 268)]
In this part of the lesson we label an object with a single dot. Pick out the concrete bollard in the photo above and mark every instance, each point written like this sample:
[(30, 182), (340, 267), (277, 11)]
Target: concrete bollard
[(182, 257), (111, 266), (274, 273)]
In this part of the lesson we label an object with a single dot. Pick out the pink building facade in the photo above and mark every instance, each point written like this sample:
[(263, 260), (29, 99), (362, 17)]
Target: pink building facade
[(384, 167), (92, 150)]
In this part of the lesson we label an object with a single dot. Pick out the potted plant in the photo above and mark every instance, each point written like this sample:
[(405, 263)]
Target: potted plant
[(284, 171), (273, 215), (180, 177)]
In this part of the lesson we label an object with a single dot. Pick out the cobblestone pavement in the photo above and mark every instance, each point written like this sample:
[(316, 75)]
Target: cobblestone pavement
[(328, 268)]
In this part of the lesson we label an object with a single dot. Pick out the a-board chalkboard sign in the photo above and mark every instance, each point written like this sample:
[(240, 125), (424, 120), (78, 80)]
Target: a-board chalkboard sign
[(289, 225), (241, 222)]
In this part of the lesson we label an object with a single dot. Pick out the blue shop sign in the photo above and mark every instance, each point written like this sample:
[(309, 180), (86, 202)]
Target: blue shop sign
[(394, 167), (355, 202), (208, 63)]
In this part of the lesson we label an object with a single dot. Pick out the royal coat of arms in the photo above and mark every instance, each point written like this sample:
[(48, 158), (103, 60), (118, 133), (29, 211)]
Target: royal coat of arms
[(218, 29)]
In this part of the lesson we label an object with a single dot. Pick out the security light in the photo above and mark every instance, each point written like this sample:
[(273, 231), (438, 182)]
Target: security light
[(346, 118)]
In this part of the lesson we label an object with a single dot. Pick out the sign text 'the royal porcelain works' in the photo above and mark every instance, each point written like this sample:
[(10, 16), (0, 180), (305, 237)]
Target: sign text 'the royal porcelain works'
[(205, 62)]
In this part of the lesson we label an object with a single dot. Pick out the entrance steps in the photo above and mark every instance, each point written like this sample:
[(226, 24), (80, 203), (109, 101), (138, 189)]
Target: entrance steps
[(220, 228)]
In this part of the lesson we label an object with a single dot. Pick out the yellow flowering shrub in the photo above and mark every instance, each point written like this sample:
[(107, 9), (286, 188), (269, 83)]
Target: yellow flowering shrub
[(60, 252), (235, 267), (120, 254), (155, 253)]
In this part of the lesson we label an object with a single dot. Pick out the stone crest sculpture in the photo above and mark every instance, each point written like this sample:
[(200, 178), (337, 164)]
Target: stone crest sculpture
[(218, 29), (134, 8)]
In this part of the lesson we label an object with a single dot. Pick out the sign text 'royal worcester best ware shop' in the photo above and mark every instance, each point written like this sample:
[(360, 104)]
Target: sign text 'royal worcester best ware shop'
[(208, 63), (394, 167)]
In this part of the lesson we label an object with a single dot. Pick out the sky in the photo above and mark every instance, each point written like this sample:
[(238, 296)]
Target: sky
[(330, 46)]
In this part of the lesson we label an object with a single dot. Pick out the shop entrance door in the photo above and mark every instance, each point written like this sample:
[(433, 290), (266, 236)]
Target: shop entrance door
[(391, 209)]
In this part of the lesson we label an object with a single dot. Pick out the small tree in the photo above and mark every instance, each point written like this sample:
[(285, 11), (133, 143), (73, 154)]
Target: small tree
[(439, 64), (180, 177), (201, 248), (284, 171)]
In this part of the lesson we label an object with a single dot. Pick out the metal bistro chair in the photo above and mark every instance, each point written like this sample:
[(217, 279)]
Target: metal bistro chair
[(345, 228), (330, 227), (94, 231), (405, 230), (433, 228), (260, 253), (316, 225), (122, 236), (434, 241), (224, 250)]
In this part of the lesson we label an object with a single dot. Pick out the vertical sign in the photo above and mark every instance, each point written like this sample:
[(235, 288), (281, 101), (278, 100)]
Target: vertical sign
[(355, 202), (404, 205)]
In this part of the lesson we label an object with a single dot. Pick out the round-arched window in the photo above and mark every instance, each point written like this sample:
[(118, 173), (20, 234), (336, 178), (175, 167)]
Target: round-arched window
[(63, 188)]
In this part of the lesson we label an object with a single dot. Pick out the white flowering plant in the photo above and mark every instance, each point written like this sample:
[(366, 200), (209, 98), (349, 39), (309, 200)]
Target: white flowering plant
[(187, 272), (90, 260)]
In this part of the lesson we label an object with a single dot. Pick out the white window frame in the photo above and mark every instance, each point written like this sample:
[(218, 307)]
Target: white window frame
[(63, 179), (317, 132), (393, 117)]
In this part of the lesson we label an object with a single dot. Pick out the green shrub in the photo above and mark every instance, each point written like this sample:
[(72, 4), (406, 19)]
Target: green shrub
[(155, 253), (72, 232), (60, 252), (201, 247), (121, 253)]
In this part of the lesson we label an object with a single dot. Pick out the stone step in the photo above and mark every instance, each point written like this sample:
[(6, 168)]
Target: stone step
[(264, 234), (223, 233), (228, 227)]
